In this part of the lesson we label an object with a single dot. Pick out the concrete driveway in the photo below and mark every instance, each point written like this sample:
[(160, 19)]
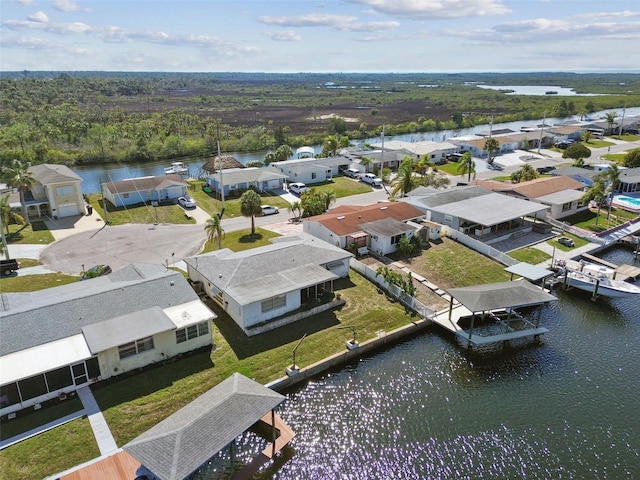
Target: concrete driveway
[(122, 245)]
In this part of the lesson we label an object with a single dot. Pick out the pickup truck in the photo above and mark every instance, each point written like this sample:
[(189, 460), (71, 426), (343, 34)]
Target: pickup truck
[(7, 267)]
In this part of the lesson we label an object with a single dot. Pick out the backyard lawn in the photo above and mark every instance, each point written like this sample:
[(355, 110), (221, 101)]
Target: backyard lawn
[(36, 233), (144, 214), (242, 240)]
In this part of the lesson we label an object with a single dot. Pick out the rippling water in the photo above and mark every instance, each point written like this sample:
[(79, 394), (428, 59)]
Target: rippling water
[(566, 407)]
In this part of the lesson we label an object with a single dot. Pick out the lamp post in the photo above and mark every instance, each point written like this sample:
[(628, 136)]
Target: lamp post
[(293, 369)]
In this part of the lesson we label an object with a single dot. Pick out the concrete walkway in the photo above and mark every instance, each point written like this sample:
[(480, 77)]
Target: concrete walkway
[(101, 431)]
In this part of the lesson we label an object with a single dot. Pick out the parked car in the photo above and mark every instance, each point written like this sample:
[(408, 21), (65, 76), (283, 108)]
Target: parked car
[(371, 179), (187, 202), (352, 172), (96, 271), (269, 210), (454, 157), (566, 241), (298, 188), (7, 267), (546, 169)]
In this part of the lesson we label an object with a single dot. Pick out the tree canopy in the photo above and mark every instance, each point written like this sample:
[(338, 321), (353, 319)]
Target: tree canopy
[(576, 151), (250, 206)]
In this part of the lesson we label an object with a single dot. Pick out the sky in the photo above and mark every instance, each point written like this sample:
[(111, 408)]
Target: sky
[(320, 36)]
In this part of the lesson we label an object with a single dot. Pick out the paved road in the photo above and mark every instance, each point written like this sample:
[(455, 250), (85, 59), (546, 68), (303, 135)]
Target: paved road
[(121, 245)]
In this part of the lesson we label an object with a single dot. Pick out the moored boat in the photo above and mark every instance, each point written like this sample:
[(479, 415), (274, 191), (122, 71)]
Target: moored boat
[(600, 281), (176, 167)]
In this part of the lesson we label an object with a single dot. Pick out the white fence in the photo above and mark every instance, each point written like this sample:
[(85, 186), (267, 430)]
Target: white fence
[(395, 291), (578, 232), (478, 246)]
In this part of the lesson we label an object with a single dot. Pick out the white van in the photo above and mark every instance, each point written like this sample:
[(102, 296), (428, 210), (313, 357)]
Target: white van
[(371, 179), (352, 172)]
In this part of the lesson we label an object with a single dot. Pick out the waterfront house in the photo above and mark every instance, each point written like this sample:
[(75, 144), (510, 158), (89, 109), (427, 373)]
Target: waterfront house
[(241, 179), (629, 180), (435, 151), (57, 340), (312, 170), (56, 192), (133, 191), (378, 227), (257, 285), (583, 175)]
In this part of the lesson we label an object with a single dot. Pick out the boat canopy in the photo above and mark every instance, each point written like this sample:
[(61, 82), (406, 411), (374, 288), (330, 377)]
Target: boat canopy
[(497, 296)]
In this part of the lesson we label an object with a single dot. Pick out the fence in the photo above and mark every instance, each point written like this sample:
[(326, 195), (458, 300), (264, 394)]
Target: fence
[(478, 246), (578, 232), (395, 291)]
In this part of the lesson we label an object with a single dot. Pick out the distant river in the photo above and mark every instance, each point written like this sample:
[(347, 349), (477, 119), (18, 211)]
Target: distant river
[(93, 175), (566, 408)]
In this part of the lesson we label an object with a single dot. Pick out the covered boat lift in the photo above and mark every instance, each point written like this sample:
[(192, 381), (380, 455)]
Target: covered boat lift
[(496, 300)]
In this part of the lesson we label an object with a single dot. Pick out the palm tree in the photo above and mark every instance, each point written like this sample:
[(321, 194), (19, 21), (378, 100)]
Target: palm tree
[(611, 179), (611, 119), (422, 165), (250, 206), (467, 166), (18, 176), (595, 193), (366, 162), (404, 181), (330, 146), (586, 136), (329, 196), (296, 207), (526, 173), (491, 146), (214, 229), (8, 215)]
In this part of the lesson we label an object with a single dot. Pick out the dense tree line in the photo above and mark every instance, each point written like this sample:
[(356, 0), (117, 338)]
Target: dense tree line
[(93, 117)]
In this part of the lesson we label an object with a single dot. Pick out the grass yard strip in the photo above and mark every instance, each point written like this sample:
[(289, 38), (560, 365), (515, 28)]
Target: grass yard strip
[(242, 240), (342, 187), (50, 452), (37, 233), (530, 255), (32, 283), (28, 262), (141, 214), (33, 419), (579, 242)]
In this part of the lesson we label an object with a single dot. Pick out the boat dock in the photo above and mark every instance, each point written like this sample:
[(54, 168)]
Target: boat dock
[(623, 272)]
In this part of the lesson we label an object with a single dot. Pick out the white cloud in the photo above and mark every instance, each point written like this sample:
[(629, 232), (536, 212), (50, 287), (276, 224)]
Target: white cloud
[(623, 14), (39, 17), (436, 9), (368, 26), (68, 6), (283, 36), (310, 20), (25, 2)]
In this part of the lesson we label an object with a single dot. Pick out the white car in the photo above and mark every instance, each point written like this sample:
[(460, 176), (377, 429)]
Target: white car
[(298, 188), (187, 202), (269, 210), (371, 179), (352, 172)]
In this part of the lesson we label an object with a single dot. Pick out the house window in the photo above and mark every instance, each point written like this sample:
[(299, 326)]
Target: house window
[(68, 190), (313, 175), (273, 303), (192, 331), (566, 206), (125, 195), (395, 239), (135, 348), (448, 219)]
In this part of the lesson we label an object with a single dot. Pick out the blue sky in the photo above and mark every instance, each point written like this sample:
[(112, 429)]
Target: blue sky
[(320, 36)]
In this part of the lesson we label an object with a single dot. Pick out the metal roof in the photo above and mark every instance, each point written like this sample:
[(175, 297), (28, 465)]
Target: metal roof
[(528, 271), (491, 209), (110, 333), (181, 443), (496, 296), (141, 184), (387, 227), (562, 197)]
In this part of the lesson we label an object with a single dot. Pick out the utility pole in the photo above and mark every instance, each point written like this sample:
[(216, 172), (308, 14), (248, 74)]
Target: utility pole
[(221, 183), (544, 118), (4, 240), (624, 109)]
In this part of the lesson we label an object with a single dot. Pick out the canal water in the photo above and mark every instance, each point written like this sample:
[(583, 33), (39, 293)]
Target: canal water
[(564, 408), (93, 175)]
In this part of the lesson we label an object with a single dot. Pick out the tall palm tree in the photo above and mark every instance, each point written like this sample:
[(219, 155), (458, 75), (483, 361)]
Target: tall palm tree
[(466, 166), (404, 180), (596, 193), (491, 146), (330, 146), (366, 162), (7, 216), (214, 229), (296, 207), (611, 180), (611, 119), (18, 176), (250, 206), (424, 164)]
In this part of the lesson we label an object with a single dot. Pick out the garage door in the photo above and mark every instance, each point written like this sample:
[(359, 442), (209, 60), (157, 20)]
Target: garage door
[(68, 210)]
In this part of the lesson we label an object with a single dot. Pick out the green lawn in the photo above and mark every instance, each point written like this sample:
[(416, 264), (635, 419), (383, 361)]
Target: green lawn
[(242, 239), (145, 214), (591, 220), (530, 255), (451, 168), (28, 262), (36, 233), (579, 242), (32, 283), (343, 187), (596, 143)]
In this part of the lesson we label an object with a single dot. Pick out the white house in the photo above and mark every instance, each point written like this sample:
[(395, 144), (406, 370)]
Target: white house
[(257, 285), (59, 339), (378, 227), (435, 151), (312, 170), (240, 179), (164, 188)]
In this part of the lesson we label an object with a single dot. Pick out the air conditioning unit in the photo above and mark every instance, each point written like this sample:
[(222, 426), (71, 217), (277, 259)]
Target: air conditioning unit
[(11, 416), (37, 406), (62, 396)]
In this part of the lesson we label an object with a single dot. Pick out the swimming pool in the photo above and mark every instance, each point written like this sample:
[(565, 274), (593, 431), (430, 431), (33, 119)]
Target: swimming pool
[(628, 203)]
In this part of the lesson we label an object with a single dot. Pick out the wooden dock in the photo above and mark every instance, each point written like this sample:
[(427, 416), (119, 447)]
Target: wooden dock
[(623, 272), (285, 434)]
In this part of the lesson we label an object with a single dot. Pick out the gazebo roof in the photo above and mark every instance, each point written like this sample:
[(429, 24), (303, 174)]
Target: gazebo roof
[(222, 161)]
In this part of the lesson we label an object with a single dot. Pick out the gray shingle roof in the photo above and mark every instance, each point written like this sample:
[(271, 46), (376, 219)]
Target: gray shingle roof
[(181, 443), (47, 174), (28, 320)]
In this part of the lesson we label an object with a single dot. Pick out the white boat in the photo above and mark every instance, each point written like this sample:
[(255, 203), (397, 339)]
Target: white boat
[(176, 167), (592, 276)]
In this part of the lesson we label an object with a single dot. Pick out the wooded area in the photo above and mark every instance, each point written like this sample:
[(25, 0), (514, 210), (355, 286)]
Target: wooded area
[(101, 117)]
